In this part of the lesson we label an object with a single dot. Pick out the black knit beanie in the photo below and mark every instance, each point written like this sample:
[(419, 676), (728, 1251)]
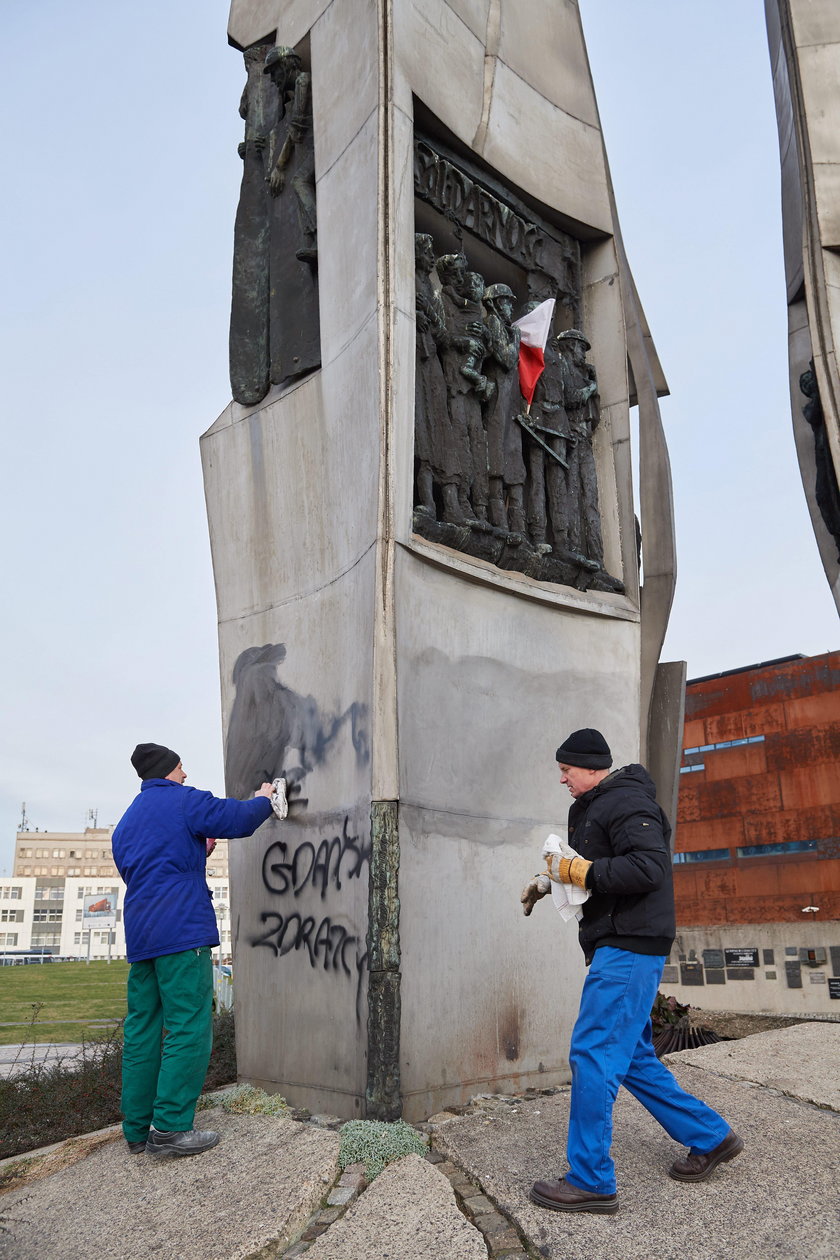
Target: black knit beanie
[(586, 748), (153, 761)]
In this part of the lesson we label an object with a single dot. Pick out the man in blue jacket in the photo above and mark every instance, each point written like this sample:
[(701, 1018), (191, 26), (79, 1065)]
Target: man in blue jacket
[(619, 851), (160, 850)]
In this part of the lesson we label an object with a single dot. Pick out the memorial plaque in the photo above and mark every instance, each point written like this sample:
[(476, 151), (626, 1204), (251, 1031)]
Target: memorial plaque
[(671, 975), (794, 975), (715, 975), (739, 973), (769, 957), (713, 957), (792, 949), (817, 977), (741, 957), (834, 988), (834, 951), (769, 975), (691, 973)]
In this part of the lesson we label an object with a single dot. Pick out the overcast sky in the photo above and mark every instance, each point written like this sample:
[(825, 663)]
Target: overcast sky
[(122, 177)]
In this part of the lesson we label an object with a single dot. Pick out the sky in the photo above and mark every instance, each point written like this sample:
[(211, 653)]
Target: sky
[(121, 173)]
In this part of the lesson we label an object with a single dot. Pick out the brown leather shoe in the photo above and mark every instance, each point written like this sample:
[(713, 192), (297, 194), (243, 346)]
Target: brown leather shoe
[(561, 1196), (698, 1167)]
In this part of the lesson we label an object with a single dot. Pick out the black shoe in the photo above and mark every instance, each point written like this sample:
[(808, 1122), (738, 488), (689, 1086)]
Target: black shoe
[(136, 1148), (698, 1167), (193, 1142)]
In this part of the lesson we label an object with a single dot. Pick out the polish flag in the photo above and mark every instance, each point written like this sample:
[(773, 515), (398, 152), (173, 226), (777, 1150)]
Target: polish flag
[(535, 327)]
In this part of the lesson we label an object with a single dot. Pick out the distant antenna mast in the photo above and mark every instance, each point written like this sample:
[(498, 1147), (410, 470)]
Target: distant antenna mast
[(92, 817), (24, 821)]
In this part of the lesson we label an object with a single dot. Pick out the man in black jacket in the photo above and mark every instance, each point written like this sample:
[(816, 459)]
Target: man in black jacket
[(619, 852)]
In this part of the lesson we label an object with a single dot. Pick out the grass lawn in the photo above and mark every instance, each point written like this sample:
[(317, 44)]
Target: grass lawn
[(68, 991)]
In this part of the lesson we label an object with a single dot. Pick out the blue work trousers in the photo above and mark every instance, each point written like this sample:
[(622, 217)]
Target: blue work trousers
[(612, 1046)]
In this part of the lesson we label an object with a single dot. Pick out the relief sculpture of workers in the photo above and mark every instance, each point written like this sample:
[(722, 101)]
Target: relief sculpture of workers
[(294, 341), (462, 357), (435, 452), (581, 401), (505, 465), (548, 454), (826, 490), (249, 379)]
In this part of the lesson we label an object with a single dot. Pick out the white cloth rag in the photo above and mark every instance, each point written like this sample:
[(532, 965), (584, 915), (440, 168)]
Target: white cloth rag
[(278, 798), (566, 897)]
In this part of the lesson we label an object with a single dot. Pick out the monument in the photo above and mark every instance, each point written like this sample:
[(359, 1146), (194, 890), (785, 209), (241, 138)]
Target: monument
[(804, 39), (426, 577)]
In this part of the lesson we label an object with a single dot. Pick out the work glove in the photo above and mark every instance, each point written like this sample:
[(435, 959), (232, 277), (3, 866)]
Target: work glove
[(565, 866), (533, 891)]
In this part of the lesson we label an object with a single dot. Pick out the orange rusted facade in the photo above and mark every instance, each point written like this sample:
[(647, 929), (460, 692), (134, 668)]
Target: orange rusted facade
[(781, 791)]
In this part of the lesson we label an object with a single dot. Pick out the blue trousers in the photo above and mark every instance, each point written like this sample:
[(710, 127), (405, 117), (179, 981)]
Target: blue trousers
[(611, 1046)]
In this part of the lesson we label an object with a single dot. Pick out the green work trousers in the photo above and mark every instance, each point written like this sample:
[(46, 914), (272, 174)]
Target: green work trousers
[(161, 1083)]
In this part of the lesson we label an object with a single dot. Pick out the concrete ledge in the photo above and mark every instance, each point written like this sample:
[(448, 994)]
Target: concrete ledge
[(777, 1059), (256, 1189)]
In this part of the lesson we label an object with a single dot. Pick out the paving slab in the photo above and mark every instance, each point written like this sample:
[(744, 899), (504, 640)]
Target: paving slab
[(258, 1187), (802, 1061), (407, 1213), (777, 1201)]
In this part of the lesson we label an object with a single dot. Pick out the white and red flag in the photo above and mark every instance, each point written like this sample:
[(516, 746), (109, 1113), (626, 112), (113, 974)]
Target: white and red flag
[(534, 327)]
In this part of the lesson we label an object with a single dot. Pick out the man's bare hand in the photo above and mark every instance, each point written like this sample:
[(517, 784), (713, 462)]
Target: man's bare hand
[(533, 892), (264, 790)]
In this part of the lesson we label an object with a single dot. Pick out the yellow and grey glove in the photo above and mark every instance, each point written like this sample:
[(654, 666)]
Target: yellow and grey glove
[(533, 891), (567, 870)]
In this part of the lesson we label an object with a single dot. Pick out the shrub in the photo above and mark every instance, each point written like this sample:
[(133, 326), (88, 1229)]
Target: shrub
[(247, 1100), (45, 1103), (376, 1143)]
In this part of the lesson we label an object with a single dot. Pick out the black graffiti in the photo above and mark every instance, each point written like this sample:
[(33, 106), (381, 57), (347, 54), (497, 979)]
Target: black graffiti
[(312, 866), (276, 731), (326, 943)]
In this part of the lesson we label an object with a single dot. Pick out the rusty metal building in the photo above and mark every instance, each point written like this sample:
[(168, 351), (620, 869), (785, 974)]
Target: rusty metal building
[(758, 835)]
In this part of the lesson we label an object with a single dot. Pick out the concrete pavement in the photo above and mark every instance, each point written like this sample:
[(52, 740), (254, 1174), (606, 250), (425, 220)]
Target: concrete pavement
[(273, 1188), (17, 1059)]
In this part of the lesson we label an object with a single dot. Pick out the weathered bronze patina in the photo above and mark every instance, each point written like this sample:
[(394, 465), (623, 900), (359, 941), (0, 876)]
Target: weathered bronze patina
[(510, 484), (274, 327), (826, 490)]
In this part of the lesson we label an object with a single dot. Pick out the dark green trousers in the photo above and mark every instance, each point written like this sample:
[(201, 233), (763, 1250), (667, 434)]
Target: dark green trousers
[(161, 1084)]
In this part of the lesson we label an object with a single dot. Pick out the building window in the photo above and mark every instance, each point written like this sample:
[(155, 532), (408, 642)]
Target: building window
[(8, 938), (11, 916), (46, 916), (692, 769), (766, 850), (12, 893), (78, 916), (701, 855), (724, 743)]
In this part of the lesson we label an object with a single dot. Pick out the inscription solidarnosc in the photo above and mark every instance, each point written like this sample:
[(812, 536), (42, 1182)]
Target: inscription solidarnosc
[(451, 191)]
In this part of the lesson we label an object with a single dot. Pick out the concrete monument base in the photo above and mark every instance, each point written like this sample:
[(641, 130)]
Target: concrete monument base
[(414, 694)]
